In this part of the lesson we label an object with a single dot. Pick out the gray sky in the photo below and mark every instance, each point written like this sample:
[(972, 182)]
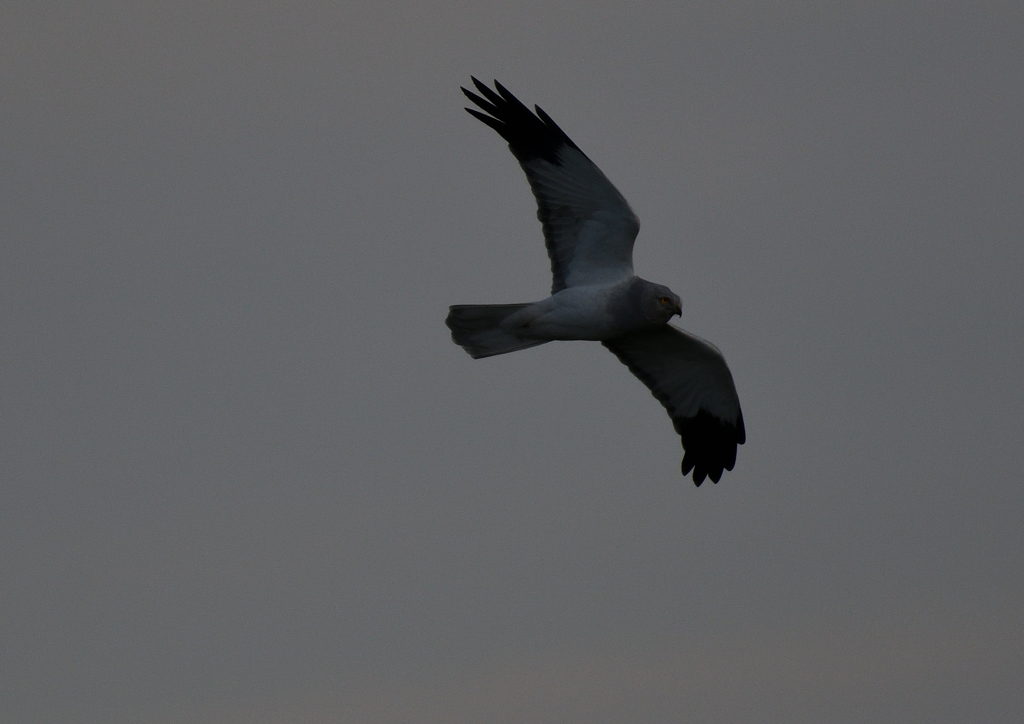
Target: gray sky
[(247, 477)]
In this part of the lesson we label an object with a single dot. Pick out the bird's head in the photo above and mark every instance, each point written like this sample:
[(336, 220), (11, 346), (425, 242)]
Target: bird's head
[(660, 303)]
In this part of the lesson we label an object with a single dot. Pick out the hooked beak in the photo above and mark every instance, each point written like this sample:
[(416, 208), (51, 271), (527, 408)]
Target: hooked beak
[(678, 311)]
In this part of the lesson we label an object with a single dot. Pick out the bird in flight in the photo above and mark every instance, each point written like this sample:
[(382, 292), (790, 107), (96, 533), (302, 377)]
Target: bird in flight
[(589, 231)]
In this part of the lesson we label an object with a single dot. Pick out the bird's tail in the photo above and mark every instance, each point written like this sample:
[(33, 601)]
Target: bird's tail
[(477, 329)]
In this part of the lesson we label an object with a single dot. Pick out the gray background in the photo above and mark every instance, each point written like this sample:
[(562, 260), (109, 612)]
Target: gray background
[(247, 477)]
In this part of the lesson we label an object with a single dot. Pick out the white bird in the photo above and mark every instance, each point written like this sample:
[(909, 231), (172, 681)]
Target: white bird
[(589, 231)]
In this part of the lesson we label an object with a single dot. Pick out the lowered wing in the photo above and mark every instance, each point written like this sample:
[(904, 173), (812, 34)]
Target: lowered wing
[(690, 378), (589, 228)]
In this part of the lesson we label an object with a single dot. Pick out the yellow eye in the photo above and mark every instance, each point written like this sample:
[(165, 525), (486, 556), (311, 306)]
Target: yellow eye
[(664, 300)]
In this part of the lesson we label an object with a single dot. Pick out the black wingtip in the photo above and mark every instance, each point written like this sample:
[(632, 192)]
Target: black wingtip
[(529, 135), (709, 445)]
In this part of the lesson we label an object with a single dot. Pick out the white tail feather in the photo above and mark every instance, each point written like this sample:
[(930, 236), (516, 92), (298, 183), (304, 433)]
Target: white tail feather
[(477, 329)]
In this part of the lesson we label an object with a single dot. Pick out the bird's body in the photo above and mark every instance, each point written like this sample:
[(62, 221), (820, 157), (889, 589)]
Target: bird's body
[(589, 230), (594, 312)]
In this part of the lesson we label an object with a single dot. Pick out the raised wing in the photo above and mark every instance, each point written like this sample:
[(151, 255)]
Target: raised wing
[(690, 378), (589, 228)]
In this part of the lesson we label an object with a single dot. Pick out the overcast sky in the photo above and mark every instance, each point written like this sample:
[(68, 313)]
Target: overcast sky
[(248, 478)]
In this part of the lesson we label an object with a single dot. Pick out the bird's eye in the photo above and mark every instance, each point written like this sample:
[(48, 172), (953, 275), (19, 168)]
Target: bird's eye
[(664, 300)]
